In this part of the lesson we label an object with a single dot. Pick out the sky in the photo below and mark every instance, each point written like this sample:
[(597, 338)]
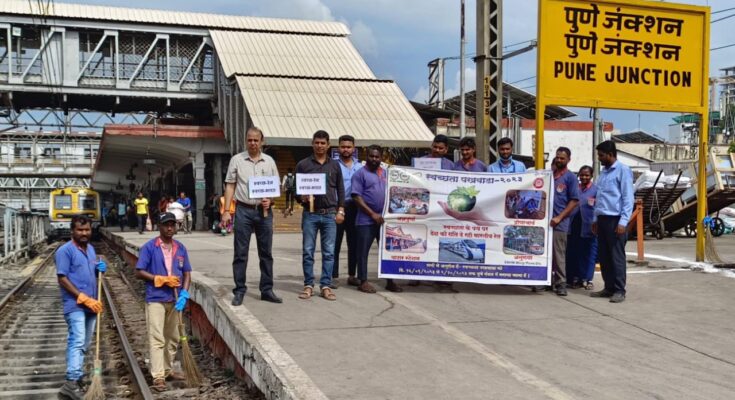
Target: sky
[(397, 38)]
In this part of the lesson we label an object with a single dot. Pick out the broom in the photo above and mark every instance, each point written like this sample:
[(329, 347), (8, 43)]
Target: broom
[(95, 391), (193, 377)]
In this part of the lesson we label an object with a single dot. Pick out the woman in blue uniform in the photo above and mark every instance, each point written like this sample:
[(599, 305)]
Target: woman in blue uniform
[(582, 244)]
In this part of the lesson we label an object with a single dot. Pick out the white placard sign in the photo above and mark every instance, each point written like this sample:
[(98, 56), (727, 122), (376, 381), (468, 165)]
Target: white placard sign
[(434, 163), (263, 186), (311, 184)]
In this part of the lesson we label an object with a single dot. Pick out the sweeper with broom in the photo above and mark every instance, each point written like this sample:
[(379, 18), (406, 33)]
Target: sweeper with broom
[(77, 267), (164, 265)]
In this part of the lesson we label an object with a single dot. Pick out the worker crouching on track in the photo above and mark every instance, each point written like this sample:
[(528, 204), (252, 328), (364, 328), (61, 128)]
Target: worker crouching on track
[(76, 269), (164, 265)]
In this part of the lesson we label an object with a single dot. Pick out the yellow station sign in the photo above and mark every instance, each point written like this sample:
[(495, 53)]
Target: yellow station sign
[(623, 54)]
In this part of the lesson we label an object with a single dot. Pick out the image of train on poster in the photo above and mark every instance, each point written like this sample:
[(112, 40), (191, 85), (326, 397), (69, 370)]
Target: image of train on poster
[(458, 226)]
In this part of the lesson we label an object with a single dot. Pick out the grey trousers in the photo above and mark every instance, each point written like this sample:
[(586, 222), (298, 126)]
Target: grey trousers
[(558, 258)]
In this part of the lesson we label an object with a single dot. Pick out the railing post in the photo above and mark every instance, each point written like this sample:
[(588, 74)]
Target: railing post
[(641, 258)]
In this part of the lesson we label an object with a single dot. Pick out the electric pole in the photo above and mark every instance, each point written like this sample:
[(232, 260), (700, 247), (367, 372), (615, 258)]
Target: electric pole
[(489, 61)]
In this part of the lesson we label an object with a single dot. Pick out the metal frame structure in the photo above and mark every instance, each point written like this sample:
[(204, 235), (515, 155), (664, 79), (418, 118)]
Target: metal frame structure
[(489, 77)]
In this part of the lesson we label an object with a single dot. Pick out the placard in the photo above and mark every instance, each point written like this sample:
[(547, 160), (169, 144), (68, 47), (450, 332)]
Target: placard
[(467, 227), (434, 163), (264, 187), (311, 184)]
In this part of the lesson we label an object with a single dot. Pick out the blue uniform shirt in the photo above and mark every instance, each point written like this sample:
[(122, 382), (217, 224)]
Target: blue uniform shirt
[(584, 212), (615, 193), (151, 261), (347, 174), (186, 202), (371, 187), (80, 269), (476, 166), (512, 168), (566, 188)]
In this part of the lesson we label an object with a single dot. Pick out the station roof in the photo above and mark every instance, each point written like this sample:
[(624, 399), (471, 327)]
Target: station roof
[(522, 104), (169, 17), (289, 55), (291, 110)]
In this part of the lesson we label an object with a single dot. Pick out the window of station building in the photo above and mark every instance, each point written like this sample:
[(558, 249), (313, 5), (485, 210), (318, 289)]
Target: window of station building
[(23, 150), (62, 202), (90, 153), (52, 151), (87, 202)]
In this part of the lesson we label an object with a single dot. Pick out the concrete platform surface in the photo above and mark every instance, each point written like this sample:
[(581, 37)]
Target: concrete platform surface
[(672, 338)]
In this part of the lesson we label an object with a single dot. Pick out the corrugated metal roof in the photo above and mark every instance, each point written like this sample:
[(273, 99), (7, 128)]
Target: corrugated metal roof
[(281, 54), (290, 110), (168, 17)]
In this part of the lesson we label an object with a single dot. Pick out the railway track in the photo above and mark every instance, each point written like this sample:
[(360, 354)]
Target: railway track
[(33, 337)]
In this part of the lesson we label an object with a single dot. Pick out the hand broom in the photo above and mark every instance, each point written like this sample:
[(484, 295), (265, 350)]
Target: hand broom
[(95, 391), (193, 377)]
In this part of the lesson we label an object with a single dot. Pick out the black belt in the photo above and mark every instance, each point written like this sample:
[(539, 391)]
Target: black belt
[(324, 211), (246, 205)]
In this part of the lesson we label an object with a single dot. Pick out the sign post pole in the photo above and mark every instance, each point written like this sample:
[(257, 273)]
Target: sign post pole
[(702, 184)]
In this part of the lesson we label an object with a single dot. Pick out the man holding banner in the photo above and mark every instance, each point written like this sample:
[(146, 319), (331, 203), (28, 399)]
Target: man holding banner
[(566, 197), (251, 215), (368, 192), (323, 210), (506, 164)]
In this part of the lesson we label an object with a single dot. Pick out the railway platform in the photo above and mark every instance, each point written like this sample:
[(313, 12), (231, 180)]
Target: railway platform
[(672, 338)]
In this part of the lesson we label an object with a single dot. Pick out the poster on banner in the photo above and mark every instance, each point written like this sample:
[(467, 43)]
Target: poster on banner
[(311, 184), (263, 186), (467, 227)]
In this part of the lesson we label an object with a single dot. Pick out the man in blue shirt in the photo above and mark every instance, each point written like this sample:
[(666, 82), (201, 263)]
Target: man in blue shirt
[(506, 164), (566, 197), (76, 270), (468, 161), (368, 192), (349, 167), (613, 208), (439, 149), (164, 266), (186, 202)]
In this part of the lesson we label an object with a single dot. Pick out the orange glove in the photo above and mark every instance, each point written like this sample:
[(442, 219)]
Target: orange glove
[(170, 281), (90, 303)]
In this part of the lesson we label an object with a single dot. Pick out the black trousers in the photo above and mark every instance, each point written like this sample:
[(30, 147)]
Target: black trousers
[(247, 221), (611, 252), (366, 235), (347, 228)]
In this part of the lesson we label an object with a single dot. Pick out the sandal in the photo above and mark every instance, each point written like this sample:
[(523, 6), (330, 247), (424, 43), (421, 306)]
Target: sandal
[(328, 294), (159, 385), (306, 293), (589, 285), (366, 287)]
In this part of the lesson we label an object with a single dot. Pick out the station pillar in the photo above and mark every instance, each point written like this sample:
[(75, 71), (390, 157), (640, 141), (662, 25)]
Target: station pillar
[(200, 188)]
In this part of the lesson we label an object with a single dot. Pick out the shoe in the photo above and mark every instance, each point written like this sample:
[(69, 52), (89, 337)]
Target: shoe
[(392, 287), (601, 293), (334, 284), (271, 297), (84, 385), (237, 300), (561, 290), (617, 298), (352, 281), (540, 289), (176, 376), (71, 390)]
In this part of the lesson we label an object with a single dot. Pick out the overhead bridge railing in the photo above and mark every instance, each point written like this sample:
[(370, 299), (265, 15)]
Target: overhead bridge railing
[(21, 231)]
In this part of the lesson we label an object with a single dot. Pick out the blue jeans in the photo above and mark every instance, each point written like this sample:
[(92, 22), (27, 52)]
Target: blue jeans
[(247, 221), (81, 327), (311, 223)]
